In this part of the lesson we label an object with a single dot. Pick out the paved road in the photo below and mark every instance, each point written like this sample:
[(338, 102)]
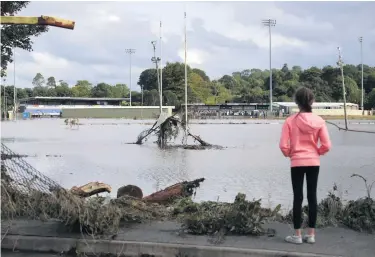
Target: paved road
[(330, 241), (6, 253)]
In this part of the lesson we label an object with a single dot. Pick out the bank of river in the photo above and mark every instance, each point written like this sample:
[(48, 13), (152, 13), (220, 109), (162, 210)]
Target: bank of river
[(251, 164)]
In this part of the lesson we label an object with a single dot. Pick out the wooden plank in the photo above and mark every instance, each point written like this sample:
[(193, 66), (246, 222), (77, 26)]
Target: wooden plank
[(43, 20)]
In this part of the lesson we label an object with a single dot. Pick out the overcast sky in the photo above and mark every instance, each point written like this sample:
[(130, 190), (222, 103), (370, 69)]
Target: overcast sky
[(223, 37)]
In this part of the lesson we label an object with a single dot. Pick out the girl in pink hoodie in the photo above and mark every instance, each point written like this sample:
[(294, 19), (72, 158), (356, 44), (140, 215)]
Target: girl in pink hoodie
[(304, 138)]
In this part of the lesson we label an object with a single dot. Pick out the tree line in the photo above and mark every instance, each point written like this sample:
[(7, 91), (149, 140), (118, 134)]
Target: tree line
[(247, 86)]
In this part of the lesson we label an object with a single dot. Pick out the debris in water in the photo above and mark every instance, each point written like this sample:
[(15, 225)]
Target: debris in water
[(92, 188), (171, 193), (130, 190), (168, 128)]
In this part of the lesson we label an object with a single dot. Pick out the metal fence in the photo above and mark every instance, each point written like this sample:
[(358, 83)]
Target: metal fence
[(20, 175)]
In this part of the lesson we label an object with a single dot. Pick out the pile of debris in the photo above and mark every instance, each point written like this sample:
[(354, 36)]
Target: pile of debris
[(80, 209), (358, 215), (242, 217)]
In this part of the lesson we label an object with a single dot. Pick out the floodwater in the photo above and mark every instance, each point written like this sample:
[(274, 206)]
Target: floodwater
[(252, 162)]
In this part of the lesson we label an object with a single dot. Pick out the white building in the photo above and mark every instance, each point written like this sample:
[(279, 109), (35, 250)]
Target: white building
[(291, 107)]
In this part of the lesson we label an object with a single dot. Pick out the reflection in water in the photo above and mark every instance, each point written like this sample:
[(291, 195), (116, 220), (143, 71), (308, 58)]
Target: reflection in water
[(172, 168), (251, 164)]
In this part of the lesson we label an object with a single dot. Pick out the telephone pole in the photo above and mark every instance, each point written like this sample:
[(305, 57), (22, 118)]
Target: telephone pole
[(270, 23), (362, 93), (3, 109), (161, 66), (130, 51), (341, 64), (14, 86), (186, 82)]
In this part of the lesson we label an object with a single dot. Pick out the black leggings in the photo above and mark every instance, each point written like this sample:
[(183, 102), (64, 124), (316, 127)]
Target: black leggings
[(298, 175)]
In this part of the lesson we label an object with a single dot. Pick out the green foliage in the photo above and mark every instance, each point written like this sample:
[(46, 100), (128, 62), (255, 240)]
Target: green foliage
[(51, 82), (358, 215), (247, 86), (242, 217), (120, 91), (18, 36), (38, 80), (82, 89), (148, 80), (370, 100)]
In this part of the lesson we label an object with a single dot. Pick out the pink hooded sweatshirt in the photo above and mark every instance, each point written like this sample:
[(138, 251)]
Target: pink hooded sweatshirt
[(299, 139)]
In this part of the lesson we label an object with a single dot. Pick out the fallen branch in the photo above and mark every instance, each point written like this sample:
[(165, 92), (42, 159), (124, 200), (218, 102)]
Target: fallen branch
[(368, 186), (351, 130), (197, 138)]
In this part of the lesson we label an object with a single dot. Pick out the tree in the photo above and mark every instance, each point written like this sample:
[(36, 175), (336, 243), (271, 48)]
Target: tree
[(16, 35), (51, 91), (22, 93), (101, 90), (202, 74), (38, 80), (248, 85), (120, 91), (136, 97), (174, 78), (29, 92), (219, 94), (228, 82), (51, 82), (63, 89), (369, 83), (199, 88), (40, 91), (82, 89), (285, 68), (170, 98), (151, 97), (353, 94), (148, 79), (370, 100)]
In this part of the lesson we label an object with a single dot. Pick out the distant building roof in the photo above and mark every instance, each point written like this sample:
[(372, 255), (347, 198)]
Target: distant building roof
[(233, 104), (74, 98)]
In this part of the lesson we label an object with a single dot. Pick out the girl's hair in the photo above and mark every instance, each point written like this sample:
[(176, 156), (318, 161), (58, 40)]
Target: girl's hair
[(304, 98)]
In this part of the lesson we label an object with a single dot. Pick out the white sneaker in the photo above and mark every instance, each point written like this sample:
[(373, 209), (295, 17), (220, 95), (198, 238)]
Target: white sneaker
[(309, 239), (294, 239)]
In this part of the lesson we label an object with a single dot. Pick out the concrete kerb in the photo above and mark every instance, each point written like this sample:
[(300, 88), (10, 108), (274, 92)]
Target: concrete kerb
[(130, 248)]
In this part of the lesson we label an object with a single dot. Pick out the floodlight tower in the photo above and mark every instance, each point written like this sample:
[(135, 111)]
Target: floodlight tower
[(130, 51), (270, 23), (362, 93)]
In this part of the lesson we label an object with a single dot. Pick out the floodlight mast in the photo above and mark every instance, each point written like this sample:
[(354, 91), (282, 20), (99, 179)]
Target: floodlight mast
[(270, 23), (362, 93), (130, 51), (156, 60)]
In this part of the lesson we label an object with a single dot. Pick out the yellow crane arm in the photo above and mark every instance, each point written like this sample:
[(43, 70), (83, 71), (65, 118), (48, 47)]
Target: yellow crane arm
[(42, 20)]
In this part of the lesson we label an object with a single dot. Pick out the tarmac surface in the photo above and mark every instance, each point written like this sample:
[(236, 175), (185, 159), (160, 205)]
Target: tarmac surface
[(337, 241)]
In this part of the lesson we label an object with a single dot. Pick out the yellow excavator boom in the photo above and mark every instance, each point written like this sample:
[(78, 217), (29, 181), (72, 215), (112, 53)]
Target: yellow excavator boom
[(42, 20)]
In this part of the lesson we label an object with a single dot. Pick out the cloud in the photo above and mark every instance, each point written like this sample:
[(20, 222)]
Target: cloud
[(223, 37), (195, 57)]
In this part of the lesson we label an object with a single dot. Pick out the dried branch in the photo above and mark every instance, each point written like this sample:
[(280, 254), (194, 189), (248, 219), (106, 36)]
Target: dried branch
[(351, 130)]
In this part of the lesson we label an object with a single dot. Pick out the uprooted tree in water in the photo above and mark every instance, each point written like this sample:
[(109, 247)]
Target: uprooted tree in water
[(168, 128)]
